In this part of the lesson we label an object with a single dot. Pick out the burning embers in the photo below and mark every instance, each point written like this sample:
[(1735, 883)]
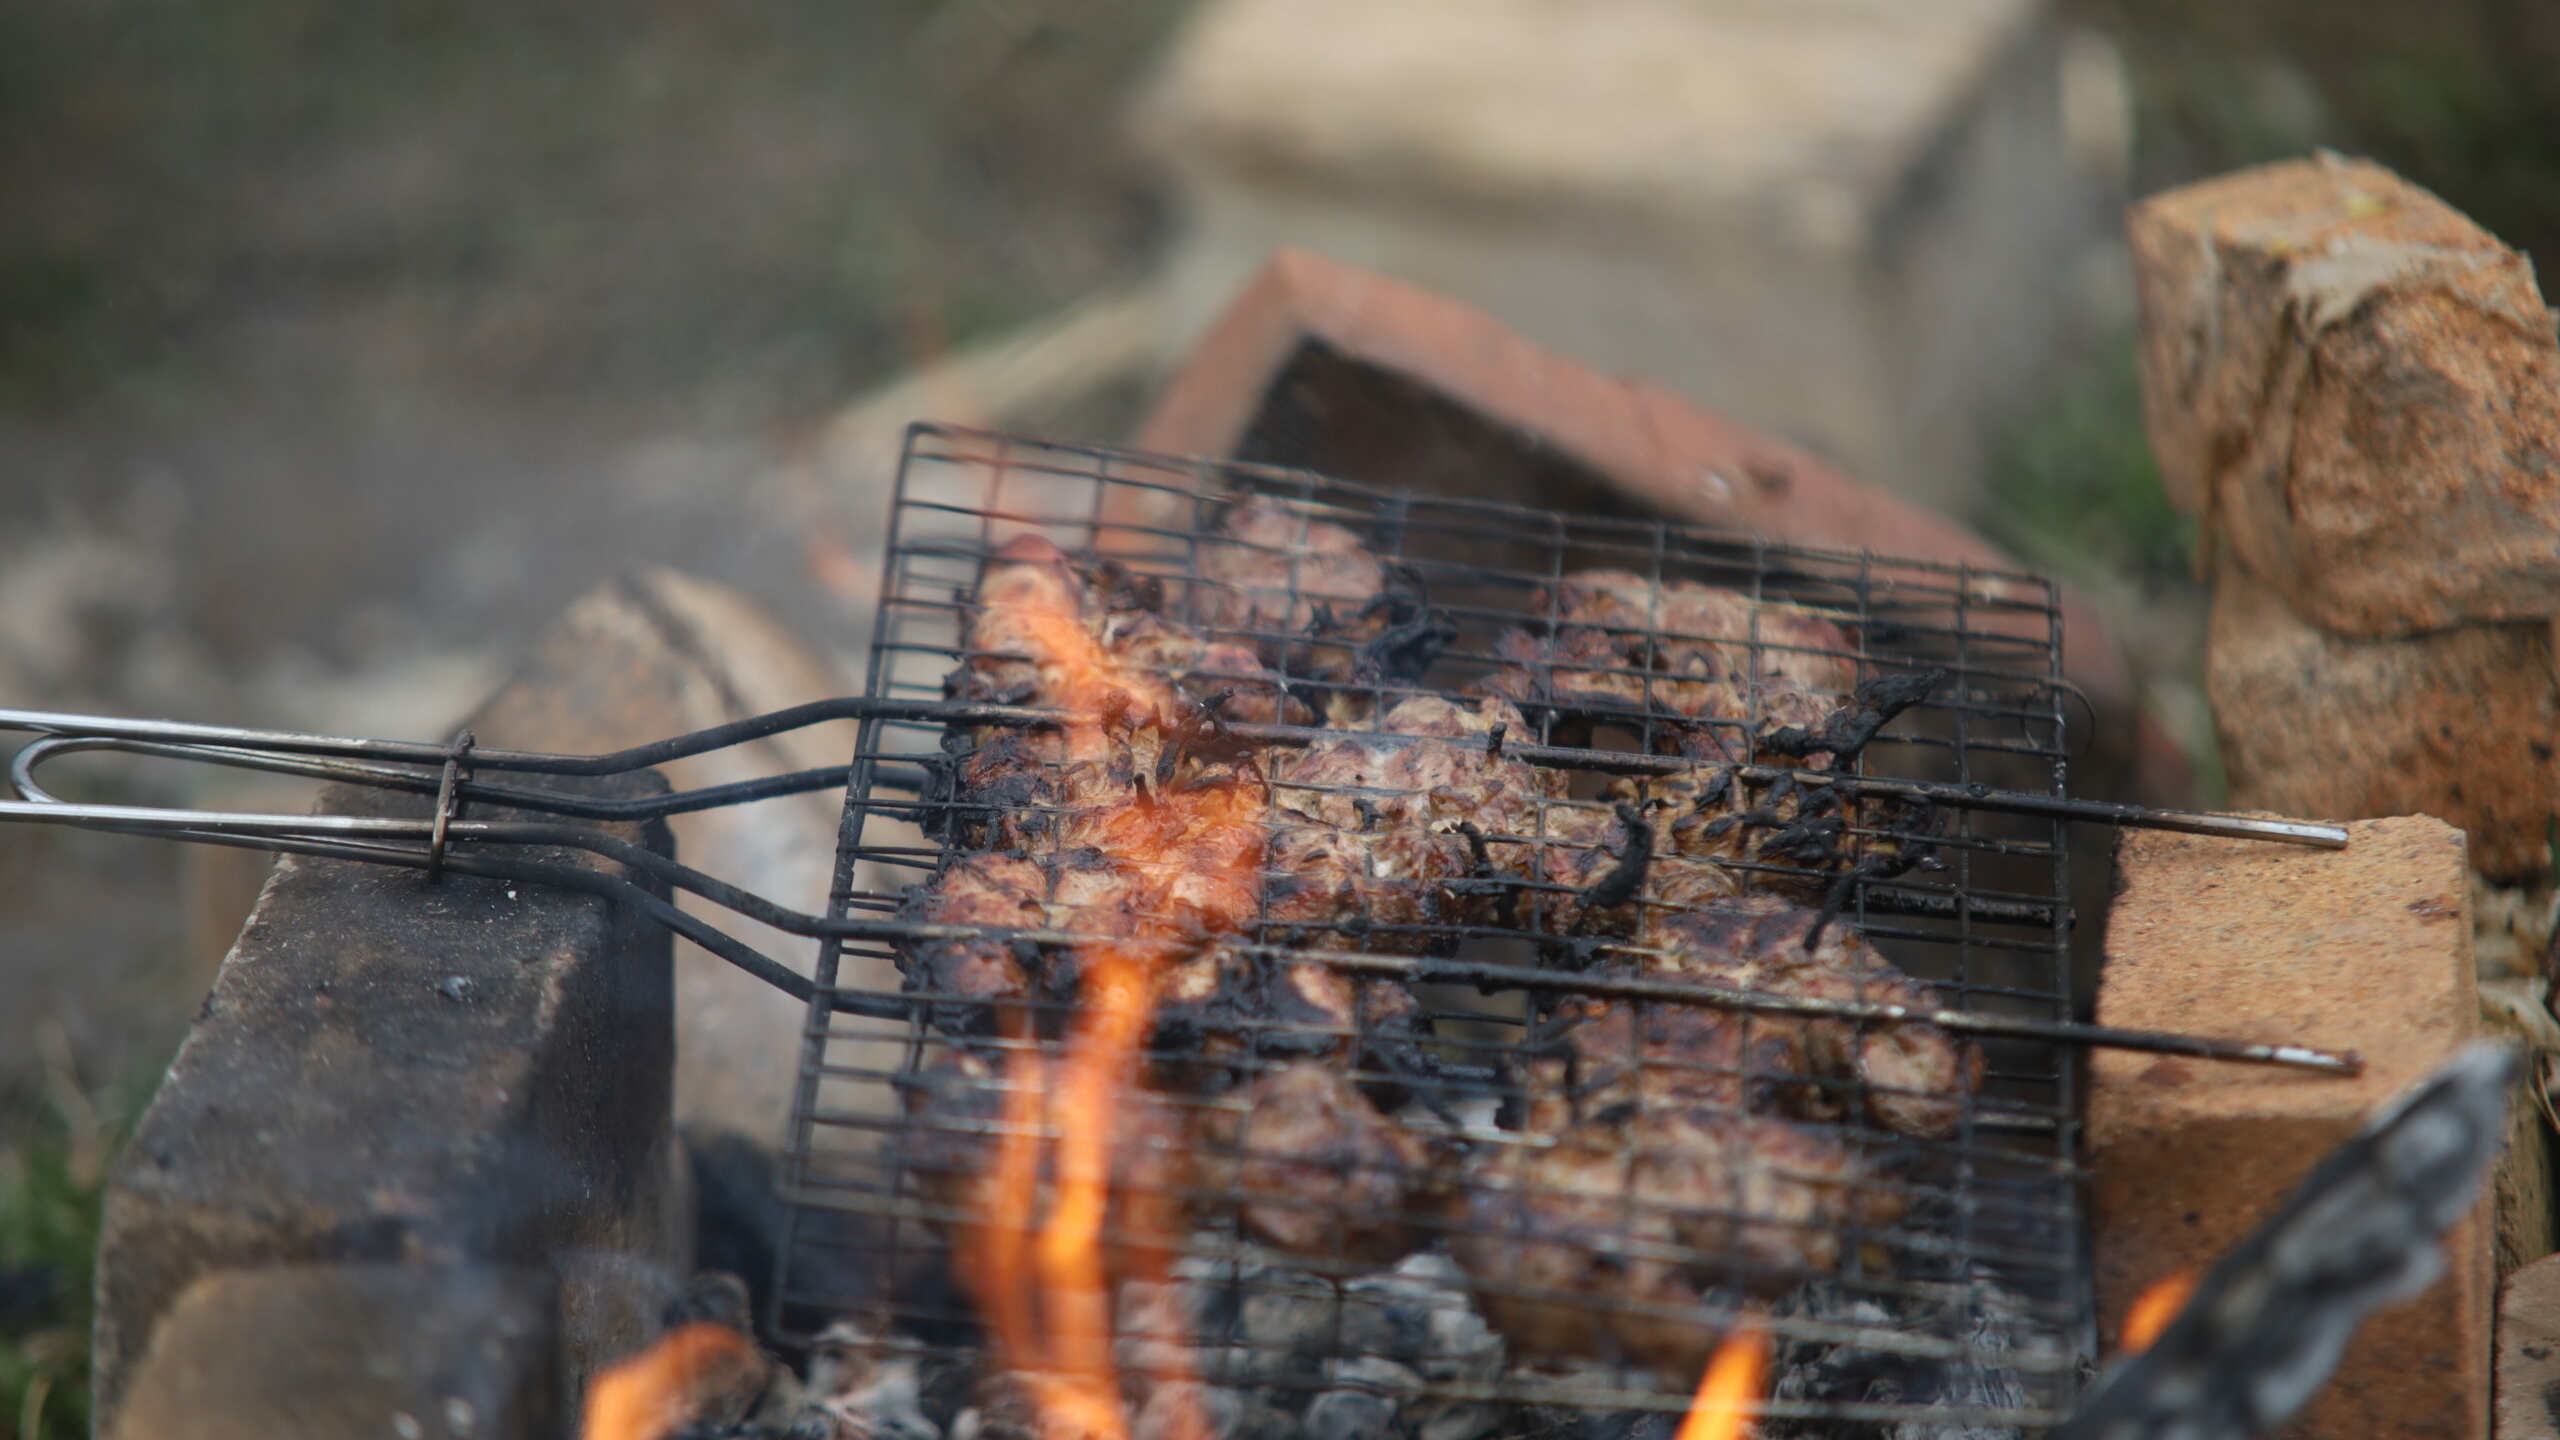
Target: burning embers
[(1164, 961)]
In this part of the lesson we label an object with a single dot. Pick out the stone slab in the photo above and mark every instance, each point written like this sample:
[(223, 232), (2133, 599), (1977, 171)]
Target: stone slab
[(656, 653), (2366, 949), (1852, 221), (392, 1070), (352, 1352)]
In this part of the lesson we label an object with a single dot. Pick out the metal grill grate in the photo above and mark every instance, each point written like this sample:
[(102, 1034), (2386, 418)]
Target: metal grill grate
[(1965, 1310)]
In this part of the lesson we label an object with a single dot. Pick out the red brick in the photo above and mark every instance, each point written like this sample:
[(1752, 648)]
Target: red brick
[(2366, 949), (1419, 389)]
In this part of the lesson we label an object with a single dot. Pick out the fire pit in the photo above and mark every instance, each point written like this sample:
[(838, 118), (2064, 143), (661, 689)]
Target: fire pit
[(1395, 1199), (1309, 959)]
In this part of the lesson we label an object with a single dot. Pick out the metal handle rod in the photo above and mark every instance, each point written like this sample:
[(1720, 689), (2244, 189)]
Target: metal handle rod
[(234, 746), (315, 834)]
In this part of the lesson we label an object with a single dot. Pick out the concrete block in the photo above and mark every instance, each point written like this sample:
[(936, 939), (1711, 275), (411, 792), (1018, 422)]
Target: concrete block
[(392, 1070), (2528, 1399), (2461, 724), (1851, 221), (658, 653), (2365, 949), (2359, 390), (352, 1352)]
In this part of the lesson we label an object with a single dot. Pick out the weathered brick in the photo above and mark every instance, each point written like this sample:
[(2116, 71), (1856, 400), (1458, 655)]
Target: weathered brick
[(396, 1070), (2359, 390), (2461, 724), (2366, 949)]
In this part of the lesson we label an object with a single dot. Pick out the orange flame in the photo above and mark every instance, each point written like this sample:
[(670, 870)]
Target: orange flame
[(671, 1384), (2153, 1310), (1736, 1376), (1194, 858)]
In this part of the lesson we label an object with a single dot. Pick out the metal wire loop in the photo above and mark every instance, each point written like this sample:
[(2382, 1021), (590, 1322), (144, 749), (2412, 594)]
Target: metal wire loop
[(448, 803)]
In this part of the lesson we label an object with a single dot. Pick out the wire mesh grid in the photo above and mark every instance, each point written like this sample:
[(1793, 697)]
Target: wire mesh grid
[(1530, 1269)]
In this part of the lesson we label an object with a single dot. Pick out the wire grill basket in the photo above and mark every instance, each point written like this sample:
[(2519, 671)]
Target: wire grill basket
[(1959, 1301)]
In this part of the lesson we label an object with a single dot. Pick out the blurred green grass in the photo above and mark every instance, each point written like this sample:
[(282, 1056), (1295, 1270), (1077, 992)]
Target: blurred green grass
[(54, 1156)]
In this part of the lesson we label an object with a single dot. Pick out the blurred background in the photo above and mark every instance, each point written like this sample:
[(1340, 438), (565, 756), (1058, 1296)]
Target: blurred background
[(340, 346)]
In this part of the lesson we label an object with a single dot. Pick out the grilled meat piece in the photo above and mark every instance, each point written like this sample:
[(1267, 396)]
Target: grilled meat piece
[(1612, 1242), (1288, 584), (1681, 1167), (1790, 836), (1136, 828), (1313, 602), (1675, 662), (1707, 629), (1603, 868), (1381, 837), (1910, 1077), (978, 981), (1320, 1173)]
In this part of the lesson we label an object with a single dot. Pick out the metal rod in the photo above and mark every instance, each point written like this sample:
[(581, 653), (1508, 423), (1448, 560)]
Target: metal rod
[(235, 745), (298, 832)]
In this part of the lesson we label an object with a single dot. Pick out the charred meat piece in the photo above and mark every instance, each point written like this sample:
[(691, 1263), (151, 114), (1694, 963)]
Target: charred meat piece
[(1312, 601), (1676, 661), (1629, 1235), (1708, 629), (1380, 837), (978, 981), (1139, 831), (1604, 868), (1285, 582), (1143, 826), (1784, 834), (1910, 1077), (1320, 1173)]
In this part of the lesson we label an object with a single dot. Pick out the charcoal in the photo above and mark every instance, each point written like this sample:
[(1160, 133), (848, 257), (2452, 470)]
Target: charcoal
[(1351, 1415), (1221, 1411), (1455, 1419)]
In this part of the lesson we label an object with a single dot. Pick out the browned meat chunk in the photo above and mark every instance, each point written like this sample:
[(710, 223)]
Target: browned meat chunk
[(1628, 1235), (974, 981), (1910, 1076), (1320, 1174), (1385, 836), (1707, 630), (1676, 663), (1603, 870), (1278, 579)]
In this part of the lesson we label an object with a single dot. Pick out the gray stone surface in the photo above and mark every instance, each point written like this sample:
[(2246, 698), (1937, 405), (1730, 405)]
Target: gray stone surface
[(1851, 222), (391, 1070), (320, 1352)]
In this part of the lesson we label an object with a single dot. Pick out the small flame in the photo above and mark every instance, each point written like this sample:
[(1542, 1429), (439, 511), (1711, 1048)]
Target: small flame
[(1736, 1376), (670, 1385), (2153, 1310), (1194, 860)]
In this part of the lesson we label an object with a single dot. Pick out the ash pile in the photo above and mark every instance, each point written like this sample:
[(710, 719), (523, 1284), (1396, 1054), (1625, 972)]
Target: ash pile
[(1269, 1353)]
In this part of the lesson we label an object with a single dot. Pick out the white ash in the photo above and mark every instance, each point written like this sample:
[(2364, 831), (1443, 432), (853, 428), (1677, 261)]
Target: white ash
[(1984, 1377), (867, 1394)]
